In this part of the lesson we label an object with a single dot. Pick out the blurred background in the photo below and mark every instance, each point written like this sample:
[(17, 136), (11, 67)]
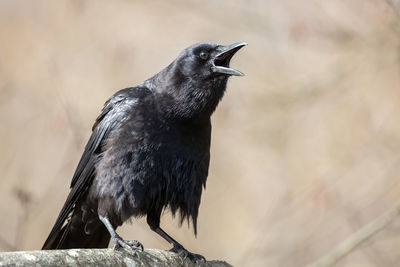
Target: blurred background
[(305, 147)]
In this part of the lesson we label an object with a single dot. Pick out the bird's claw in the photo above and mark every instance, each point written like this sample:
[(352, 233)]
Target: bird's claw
[(184, 253), (136, 244), (132, 245)]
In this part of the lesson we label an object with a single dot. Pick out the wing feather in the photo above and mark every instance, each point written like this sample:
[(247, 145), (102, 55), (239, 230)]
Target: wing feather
[(109, 119)]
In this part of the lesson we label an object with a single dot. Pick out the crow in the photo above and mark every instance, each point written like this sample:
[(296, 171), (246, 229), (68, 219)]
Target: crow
[(149, 150)]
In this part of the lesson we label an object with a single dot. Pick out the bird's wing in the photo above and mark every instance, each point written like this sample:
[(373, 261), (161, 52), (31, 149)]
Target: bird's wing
[(105, 122), (110, 118)]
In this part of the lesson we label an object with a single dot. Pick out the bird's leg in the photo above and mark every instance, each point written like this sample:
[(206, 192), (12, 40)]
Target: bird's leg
[(178, 248), (153, 220), (118, 241)]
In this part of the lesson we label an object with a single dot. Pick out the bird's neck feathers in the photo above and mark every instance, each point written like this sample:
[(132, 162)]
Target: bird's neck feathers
[(186, 97)]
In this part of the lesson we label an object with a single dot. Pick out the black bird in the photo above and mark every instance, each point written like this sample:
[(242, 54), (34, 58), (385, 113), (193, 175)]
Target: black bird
[(149, 150)]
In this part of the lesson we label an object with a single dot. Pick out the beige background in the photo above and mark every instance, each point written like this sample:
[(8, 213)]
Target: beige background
[(305, 148)]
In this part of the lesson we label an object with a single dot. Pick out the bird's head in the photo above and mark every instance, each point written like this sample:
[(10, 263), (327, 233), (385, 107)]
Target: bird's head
[(208, 61), (195, 81)]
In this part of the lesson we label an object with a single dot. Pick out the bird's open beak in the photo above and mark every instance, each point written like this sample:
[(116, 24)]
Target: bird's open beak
[(222, 59)]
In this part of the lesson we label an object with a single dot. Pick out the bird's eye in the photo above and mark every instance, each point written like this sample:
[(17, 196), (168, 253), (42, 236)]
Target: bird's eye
[(204, 55)]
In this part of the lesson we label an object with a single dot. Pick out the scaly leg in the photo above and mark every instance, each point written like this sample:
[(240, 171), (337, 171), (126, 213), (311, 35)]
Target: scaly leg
[(178, 248), (118, 241), (153, 220)]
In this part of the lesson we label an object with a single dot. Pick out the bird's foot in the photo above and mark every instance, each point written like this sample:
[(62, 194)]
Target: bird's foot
[(184, 253), (132, 245)]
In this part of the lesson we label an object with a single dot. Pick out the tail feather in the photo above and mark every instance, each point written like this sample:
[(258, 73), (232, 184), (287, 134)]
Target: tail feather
[(79, 234)]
